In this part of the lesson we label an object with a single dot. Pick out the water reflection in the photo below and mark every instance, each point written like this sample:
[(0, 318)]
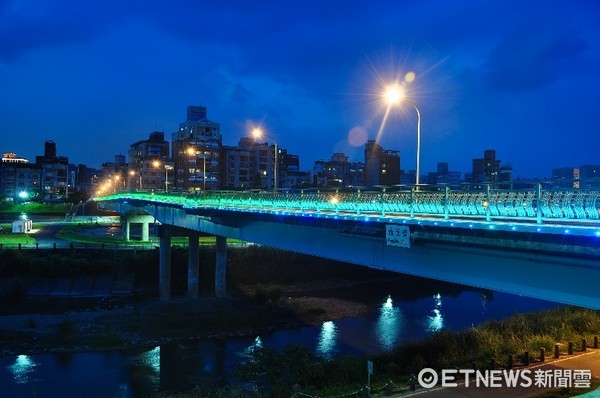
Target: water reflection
[(388, 325), (152, 359), (484, 303), (435, 322), (23, 369), (327, 340), (256, 344)]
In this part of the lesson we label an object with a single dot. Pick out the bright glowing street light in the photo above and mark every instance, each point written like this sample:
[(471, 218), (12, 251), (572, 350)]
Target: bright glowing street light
[(394, 95), (258, 133), (156, 164), (193, 152), (23, 195), (132, 173)]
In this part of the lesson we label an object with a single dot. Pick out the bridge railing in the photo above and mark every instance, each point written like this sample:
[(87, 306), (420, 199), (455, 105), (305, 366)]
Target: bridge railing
[(532, 203)]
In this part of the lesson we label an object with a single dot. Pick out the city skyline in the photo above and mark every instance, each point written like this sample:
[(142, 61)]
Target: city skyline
[(485, 76)]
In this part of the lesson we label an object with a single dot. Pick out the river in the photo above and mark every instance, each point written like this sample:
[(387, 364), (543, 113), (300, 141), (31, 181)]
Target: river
[(398, 315)]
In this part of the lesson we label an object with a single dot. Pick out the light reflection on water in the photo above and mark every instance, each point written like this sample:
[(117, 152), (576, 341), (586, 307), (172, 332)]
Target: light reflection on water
[(436, 321), (23, 369), (152, 359), (327, 340), (248, 351), (484, 303), (395, 319), (389, 325)]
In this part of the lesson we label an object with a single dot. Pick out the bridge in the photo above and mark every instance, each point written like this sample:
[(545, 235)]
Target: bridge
[(538, 242)]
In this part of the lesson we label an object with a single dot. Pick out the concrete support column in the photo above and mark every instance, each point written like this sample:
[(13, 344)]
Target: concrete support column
[(126, 229), (193, 265), (165, 264), (221, 267), (145, 231)]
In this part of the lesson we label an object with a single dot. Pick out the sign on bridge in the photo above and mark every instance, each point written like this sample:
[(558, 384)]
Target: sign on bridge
[(397, 235)]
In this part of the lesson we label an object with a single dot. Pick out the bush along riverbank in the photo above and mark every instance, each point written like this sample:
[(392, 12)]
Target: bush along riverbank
[(519, 339)]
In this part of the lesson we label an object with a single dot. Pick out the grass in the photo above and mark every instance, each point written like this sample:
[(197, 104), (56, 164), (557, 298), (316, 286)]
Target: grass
[(73, 233), (35, 208), (15, 239), (498, 339), (70, 233)]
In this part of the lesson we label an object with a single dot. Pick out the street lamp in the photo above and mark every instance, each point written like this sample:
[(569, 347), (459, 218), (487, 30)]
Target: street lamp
[(132, 173), (393, 95), (192, 152), (157, 164), (258, 133), (117, 185)]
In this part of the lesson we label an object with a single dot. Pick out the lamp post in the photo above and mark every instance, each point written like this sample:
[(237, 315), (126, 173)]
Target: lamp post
[(394, 95), (157, 164), (132, 173), (117, 184), (193, 152), (167, 168), (258, 133)]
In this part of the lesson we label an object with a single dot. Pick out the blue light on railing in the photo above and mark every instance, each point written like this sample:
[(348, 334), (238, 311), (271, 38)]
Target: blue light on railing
[(579, 211)]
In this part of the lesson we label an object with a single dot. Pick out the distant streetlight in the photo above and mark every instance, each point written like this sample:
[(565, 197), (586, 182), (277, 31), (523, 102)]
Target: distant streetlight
[(258, 133), (117, 178), (393, 95), (193, 152), (168, 167), (23, 195), (132, 173)]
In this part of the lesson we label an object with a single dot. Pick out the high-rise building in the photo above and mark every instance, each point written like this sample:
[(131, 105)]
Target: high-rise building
[(443, 175), (19, 179), (196, 152), (251, 164), (340, 172), (382, 167), (147, 161), (117, 172), (488, 169), (54, 174)]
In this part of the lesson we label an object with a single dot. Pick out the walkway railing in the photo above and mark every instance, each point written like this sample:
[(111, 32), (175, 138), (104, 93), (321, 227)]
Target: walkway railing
[(531, 205)]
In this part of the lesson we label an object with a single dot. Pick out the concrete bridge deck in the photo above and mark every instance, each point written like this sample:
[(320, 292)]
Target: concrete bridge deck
[(554, 258)]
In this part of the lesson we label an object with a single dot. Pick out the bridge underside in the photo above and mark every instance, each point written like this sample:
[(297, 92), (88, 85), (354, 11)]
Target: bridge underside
[(564, 278)]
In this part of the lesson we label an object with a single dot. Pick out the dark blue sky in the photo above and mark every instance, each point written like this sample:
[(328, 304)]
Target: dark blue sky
[(521, 77)]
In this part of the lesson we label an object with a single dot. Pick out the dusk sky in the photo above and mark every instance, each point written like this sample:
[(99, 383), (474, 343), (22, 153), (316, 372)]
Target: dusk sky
[(521, 77)]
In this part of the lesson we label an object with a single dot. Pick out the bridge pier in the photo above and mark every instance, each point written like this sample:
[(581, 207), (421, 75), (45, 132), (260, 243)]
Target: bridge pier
[(126, 229), (145, 231), (165, 263), (221, 267), (193, 265), (145, 220)]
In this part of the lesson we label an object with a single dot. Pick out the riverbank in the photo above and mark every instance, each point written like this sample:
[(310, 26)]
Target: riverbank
[(33, 325), (268, 290)]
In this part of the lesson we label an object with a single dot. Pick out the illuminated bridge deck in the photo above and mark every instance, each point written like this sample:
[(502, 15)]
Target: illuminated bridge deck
[(565, 212)]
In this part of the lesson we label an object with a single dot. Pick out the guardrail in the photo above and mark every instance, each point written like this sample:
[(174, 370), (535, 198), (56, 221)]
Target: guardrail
[(533, 205)]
